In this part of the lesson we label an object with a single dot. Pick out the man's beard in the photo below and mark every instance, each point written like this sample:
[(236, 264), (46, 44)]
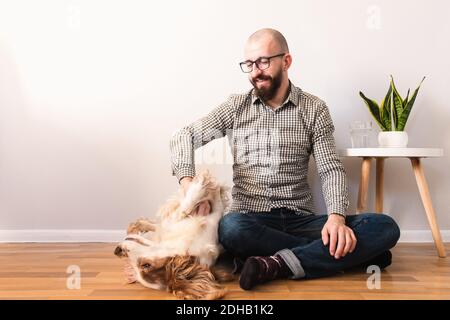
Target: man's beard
[(274, 84)]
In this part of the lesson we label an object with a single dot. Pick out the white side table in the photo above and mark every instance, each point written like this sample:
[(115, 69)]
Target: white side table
[(415, 155)]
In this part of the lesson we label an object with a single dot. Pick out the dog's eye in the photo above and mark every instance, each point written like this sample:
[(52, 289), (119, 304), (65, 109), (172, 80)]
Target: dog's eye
[(146, 265)]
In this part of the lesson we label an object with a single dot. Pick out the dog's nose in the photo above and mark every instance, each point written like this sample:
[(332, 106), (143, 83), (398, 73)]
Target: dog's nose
[(119, 252)]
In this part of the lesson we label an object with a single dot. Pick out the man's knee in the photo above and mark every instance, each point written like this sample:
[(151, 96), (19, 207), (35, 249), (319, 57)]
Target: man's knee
[(230, 229), (392, 229), (389, 231)]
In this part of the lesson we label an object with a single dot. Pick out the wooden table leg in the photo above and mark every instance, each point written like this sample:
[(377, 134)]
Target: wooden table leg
[(363, 185), (426, 200), (379, 185)]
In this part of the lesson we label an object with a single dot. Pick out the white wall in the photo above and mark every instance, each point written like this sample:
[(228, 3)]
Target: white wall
[(91, 91)]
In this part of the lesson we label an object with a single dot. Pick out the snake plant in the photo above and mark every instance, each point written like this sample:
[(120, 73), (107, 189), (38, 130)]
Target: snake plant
[(394, 111)]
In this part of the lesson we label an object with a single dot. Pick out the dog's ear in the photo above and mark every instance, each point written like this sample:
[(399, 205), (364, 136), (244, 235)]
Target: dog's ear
[(187, 279)]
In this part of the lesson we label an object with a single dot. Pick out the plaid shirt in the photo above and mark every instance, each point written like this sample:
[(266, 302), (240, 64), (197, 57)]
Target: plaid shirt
[(271, 151)]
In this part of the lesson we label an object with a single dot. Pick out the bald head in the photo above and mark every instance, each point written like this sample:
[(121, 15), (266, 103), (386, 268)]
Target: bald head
[(269, 78), (270, 37)]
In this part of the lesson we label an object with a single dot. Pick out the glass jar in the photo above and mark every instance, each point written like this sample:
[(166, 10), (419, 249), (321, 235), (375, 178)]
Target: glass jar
[(360, 134)]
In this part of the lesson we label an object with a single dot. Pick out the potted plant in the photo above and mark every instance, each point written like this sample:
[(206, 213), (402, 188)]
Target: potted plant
[(392, 115)]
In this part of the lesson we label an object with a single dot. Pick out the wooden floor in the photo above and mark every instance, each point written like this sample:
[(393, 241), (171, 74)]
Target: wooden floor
[(38, 271)]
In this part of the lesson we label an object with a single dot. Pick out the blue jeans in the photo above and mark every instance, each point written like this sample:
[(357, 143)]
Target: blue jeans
[(297, 239)]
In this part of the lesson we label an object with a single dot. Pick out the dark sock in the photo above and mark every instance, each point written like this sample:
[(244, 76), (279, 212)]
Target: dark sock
[(259, 270), (383, 260)]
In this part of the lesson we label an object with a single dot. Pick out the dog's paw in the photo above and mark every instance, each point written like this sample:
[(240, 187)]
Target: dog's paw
[(142, 225), (130, 274)]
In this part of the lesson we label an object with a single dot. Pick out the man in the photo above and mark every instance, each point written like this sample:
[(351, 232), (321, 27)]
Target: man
[(273, 130)]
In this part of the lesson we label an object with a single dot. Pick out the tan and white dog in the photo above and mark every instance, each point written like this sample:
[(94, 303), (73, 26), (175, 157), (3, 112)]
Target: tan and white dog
[(178, 251)]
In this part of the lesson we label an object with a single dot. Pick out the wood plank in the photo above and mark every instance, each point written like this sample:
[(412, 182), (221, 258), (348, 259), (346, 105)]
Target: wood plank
[(38, 271)]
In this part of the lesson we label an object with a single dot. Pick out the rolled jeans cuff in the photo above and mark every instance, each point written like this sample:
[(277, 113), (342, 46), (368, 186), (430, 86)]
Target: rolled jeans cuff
[(292, 262)]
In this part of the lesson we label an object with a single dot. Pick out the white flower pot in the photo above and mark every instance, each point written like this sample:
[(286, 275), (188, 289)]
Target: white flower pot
[(393, 139)]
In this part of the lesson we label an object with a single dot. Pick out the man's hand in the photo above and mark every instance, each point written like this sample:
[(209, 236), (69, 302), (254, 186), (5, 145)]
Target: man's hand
[(340, 237), (204, 207), (184, 183)]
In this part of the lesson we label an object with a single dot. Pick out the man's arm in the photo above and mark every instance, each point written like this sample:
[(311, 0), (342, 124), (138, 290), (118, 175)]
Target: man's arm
[(329, 166), (340, 238), (185, 141)]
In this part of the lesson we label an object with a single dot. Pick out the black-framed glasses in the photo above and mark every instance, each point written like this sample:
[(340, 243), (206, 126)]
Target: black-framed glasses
[(261, 63)]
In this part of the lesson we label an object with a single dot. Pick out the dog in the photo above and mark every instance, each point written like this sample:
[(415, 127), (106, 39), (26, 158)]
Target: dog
[(178, 252)]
